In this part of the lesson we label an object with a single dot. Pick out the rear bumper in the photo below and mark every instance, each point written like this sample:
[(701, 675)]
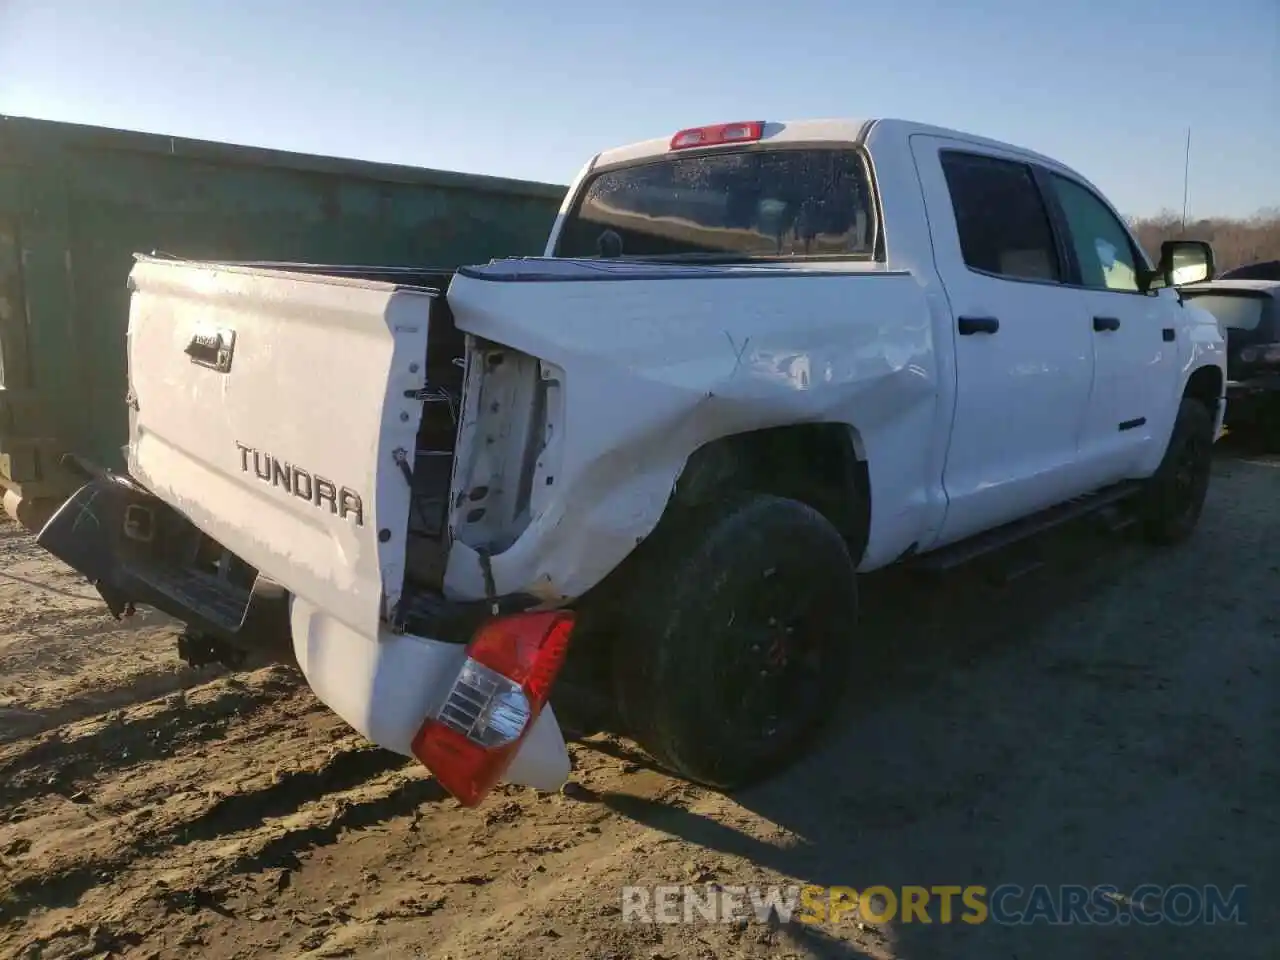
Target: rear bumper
[(385, 687), (1253, 386), (115, 533)]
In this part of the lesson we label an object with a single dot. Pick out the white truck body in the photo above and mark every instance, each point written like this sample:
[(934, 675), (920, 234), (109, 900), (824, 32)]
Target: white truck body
[(614, 373)]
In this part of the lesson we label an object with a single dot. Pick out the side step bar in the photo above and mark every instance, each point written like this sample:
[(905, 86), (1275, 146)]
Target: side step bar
[(958, 554)]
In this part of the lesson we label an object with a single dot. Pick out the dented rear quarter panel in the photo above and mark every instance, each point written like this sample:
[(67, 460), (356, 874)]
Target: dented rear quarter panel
[(658, 361)]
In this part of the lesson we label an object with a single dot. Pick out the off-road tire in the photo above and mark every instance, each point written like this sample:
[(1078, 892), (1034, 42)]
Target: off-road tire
[(1175, 494), (698, 660)]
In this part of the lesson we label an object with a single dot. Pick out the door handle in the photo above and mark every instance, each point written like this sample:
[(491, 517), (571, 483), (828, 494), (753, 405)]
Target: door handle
[(968, 326), (212, 349), (1102, 324)]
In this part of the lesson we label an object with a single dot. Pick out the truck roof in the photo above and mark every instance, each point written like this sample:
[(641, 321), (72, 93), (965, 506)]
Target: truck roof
[(849, 130)]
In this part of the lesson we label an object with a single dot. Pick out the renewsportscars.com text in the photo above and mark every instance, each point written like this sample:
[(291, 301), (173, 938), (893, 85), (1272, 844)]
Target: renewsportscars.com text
[(1007, 904)]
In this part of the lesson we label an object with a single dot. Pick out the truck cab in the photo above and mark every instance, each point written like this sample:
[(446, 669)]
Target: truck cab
[(755, 360)]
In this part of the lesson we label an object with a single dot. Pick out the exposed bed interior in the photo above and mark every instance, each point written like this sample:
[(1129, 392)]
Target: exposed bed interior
[(427, 546)]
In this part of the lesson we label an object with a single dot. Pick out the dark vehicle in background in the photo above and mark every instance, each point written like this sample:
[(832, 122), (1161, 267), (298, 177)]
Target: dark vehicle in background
[(1248, 312), (1263, 270)]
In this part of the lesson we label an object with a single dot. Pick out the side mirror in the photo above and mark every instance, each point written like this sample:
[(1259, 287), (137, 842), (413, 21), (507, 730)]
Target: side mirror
[(1181, 262)]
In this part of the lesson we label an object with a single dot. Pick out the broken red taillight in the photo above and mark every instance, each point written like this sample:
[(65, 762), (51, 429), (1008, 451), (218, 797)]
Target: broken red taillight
[(496, 697), (742, 132)]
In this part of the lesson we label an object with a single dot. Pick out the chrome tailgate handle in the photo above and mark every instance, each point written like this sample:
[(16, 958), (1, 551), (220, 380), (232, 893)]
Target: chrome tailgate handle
[(212, 349)]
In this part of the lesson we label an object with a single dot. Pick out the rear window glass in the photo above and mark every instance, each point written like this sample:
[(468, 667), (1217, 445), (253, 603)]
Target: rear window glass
[(1236, 312), (756, 203)]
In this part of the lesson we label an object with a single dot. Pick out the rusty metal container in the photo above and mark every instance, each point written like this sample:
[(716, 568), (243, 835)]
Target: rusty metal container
[(77, 202)]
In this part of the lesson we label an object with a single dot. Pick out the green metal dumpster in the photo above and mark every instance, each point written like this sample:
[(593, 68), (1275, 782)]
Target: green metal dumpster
[(77, 202)]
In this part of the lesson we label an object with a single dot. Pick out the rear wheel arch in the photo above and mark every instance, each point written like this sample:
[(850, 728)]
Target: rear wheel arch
[(823, 465), (833, 480)]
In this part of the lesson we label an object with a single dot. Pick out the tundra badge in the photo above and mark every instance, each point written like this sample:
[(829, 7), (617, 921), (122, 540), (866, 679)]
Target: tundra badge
[(342, 501)]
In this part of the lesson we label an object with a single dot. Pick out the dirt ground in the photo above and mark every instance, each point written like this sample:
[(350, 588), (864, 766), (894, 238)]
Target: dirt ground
[(1110, 718)]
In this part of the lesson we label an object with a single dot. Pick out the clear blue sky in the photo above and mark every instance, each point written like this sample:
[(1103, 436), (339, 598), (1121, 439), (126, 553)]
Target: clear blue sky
[(533, 89)]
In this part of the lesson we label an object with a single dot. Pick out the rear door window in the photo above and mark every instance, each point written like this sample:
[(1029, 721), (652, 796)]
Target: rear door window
[(750, 203), (1001, 217)]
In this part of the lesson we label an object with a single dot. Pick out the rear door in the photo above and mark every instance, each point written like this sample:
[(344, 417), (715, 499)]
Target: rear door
[(1024, 355), (277, 412)]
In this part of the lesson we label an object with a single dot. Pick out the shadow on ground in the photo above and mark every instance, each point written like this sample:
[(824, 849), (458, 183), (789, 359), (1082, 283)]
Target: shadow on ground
[(1059, 729)]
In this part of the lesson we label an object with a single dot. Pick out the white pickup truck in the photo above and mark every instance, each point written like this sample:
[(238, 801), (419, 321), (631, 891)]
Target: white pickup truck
[(756, 359)]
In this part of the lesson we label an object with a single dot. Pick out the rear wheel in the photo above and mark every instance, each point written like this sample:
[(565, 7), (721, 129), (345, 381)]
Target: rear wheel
[(738, 643), (1175, 494)]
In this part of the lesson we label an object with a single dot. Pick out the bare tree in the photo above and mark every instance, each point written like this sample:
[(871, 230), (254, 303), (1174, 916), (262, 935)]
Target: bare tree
[(1236, 242)]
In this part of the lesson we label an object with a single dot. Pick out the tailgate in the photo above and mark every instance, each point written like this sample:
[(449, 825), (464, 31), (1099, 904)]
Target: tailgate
[(275, 409)]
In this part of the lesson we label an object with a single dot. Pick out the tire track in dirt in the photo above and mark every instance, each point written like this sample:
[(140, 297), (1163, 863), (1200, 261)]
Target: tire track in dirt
[(167, 876), (458, 879), (270, 785), (79, 698), (135, 792), (56, 761), (213, 817), (62, 657)]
